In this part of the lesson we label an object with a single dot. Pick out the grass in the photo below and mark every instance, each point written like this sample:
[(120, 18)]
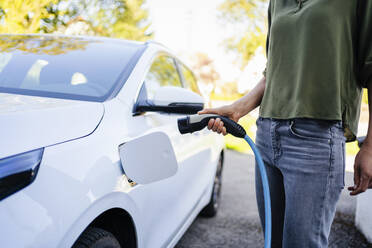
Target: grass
[(249, 124)]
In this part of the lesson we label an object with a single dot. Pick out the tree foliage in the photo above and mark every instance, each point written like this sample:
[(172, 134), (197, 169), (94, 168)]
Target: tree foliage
[(23, 16), (116, 18), (204, 69), (250, 16), (113, 18)]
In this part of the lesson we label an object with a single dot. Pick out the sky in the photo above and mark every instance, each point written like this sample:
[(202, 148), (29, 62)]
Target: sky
[(190, 26)]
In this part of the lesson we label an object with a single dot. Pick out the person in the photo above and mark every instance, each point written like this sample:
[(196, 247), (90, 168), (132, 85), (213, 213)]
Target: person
[(319, 58)]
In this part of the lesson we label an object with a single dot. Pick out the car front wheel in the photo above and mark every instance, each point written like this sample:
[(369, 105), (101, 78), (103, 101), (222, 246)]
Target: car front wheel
[(212, 207), (96, 238)]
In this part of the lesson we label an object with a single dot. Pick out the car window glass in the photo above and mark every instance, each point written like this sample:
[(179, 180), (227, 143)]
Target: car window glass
[(65, 67), (162, 72), (189, 79), (4, 60)]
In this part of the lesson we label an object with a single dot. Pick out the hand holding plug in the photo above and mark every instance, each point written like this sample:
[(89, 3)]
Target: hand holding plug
[(216, 125)]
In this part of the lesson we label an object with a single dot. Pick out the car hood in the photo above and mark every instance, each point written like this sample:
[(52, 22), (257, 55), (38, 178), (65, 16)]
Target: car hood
[(29, 122)]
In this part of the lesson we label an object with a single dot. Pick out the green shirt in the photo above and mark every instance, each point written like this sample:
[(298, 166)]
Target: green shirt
[(319, 57)]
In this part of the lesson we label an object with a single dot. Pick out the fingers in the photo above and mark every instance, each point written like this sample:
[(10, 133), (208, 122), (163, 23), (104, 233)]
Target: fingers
[(204, 111), (210, 124), (363, 186), (224, 132), (361, 181), (351, 188), (220, 128), (207, 111), (216, 125), (356, 178)]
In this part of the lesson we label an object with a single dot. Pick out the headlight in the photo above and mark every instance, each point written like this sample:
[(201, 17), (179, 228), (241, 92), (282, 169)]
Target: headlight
[(18, 171)]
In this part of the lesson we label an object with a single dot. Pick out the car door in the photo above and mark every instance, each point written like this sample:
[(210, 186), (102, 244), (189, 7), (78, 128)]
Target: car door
[(209, 141), (166, 205)]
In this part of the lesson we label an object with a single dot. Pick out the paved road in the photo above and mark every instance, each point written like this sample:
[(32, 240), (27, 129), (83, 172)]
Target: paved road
[(237, 223)]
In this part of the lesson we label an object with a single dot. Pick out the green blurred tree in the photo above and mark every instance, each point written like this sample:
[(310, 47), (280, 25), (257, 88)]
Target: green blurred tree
[(113, 18), (23, 16), (250, 17)]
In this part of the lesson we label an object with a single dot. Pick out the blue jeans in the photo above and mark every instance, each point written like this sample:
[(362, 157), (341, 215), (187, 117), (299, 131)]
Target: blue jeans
[(305, 164)]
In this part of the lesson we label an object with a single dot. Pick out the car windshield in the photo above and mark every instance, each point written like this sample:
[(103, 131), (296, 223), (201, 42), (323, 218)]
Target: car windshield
[(65, 67)]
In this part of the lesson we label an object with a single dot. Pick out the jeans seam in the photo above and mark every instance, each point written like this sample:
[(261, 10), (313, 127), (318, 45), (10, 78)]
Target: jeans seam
[(273, 143), (326, 192)]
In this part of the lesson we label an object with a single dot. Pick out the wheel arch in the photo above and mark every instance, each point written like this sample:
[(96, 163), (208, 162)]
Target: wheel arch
[(115, 207), (118, 222)]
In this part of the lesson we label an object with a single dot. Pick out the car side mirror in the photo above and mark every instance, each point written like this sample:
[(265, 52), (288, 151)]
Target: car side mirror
[(149, 158), (170, 99)]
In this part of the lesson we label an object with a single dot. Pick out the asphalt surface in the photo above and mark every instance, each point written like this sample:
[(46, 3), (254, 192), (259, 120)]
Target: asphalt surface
[(237, 223)]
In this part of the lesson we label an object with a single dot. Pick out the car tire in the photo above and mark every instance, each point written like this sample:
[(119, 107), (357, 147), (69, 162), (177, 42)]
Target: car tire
[(211, 209), (96, 238)]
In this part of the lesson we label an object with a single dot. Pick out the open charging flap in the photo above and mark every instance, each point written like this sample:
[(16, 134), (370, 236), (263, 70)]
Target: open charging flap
[(149, 158)]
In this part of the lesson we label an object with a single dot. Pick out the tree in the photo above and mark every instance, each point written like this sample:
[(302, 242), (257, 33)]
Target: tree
[(23, 16), (250, 16), (230, 89), (120, 18), (204, 69), (116, 18)]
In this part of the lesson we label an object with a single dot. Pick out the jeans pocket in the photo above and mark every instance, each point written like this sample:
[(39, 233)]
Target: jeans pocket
[(309, 131)]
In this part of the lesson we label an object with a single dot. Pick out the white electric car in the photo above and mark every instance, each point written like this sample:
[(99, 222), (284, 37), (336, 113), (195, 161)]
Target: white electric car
[(90, 152)]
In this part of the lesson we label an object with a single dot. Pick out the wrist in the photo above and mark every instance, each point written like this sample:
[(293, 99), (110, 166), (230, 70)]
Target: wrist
[(238, 109), (367, 141)]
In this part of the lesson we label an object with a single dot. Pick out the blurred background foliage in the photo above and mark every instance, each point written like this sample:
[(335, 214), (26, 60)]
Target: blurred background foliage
[(253, 15), (112, 18)]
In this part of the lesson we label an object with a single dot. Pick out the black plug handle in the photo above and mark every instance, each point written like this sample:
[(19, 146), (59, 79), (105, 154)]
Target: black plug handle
[(197, 122)]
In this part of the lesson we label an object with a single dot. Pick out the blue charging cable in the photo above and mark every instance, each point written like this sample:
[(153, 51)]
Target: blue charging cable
[(266, 190)]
